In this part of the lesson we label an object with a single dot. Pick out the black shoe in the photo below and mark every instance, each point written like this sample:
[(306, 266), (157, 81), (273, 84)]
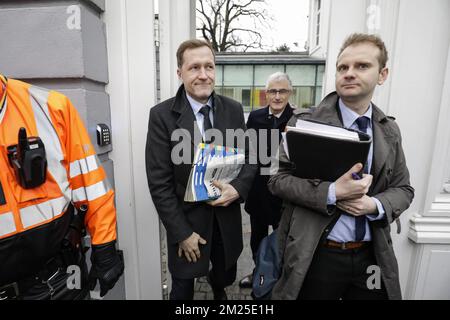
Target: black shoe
[(246, 282), (220, 295)]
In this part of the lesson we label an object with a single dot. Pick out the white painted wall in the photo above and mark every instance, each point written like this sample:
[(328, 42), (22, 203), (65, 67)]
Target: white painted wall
[(345, 17), (319, 51), (177, 24), (132, 90)]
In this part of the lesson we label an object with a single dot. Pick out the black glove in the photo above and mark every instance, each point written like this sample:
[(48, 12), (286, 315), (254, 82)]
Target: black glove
[(107, 267)]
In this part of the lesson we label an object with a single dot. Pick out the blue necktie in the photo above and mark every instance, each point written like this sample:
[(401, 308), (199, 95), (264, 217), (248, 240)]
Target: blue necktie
[(206, 121), (360, 222)]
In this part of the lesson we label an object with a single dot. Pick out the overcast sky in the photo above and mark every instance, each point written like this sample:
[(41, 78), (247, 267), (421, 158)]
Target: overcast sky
[(290, 23)]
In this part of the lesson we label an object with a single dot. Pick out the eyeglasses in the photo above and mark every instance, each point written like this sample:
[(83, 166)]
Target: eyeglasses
[(273, 92)]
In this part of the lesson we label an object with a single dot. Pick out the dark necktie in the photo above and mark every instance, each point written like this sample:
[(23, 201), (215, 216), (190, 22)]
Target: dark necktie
[(363, 123), (206, 121), (360, 222), (275, 122)]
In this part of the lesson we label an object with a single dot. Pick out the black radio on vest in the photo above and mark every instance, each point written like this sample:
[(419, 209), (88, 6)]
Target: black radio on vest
[(28, 160)]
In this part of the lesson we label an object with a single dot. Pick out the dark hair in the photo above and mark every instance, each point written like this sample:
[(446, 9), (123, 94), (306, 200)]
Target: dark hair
[(357, 38), (191, 44)]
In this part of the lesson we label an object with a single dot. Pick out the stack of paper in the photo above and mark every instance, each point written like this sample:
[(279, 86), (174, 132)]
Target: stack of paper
[(319, 129), (212, 163), (323, 130), (322, 151)]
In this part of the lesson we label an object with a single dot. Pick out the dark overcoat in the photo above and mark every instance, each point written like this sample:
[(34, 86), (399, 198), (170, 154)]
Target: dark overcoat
[(167, 180), (306, 218), (260, 202)]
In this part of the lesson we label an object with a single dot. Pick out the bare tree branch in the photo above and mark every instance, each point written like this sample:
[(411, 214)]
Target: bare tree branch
[(208, 26), (221, 23)]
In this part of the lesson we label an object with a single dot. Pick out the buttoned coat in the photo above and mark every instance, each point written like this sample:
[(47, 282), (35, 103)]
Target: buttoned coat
[(173, 122), (306, 219), (260, 202)]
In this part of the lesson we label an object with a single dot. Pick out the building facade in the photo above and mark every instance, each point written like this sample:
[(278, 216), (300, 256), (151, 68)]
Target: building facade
[(242, 76)]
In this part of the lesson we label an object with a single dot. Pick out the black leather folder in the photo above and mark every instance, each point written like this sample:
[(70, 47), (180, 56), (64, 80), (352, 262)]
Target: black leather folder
[(326, 158)]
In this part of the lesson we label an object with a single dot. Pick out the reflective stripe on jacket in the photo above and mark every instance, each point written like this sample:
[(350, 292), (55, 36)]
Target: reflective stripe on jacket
[(74, 172)]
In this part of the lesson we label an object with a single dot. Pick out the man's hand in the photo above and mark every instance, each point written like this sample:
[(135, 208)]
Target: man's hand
[(229, 194), (358, 207), (347, 188), (190, 247)]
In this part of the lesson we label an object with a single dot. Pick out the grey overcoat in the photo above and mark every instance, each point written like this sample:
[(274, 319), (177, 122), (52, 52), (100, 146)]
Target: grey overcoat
[(306, 218)]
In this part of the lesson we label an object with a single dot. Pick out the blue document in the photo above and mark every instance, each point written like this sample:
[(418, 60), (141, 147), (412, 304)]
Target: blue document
[(212, 162)]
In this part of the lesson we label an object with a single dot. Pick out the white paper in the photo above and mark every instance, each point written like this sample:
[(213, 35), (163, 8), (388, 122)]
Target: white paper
[(223, 169), (323, 130)]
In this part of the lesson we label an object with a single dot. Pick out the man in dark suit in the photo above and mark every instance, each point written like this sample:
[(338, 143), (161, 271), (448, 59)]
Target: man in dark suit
[(264, 208), (197, 233), (335, 235)]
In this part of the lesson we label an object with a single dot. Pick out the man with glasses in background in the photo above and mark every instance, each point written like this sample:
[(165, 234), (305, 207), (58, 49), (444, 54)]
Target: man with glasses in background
[(264, 208)]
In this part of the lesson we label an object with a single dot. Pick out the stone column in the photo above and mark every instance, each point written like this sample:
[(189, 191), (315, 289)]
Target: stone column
[(61, 45)]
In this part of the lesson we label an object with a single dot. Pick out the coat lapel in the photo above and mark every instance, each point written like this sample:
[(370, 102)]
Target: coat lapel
[(219, 115), (380, 144), (266, 119), (286, 115), (327, 110)]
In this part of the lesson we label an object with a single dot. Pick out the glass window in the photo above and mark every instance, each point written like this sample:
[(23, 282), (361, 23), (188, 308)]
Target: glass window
[(218, 90), (259, 97), (318, 5), (238, 75), (246, 97), (320, 73), (318, 95), (302, 75), (236, 82), (262, 72), (228, 92), (302, 97), (241, 94), (219, 75)]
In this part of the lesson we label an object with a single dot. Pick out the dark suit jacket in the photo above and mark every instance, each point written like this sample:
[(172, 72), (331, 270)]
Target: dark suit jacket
[(307, 219), (167, 182), (260, 202)]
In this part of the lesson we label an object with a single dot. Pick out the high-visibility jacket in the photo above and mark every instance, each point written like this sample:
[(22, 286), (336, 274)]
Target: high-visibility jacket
[(33, 222)]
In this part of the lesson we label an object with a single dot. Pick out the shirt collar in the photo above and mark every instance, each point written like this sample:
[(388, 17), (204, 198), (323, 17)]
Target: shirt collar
[(278, 115), (195, 105), (349, 116)]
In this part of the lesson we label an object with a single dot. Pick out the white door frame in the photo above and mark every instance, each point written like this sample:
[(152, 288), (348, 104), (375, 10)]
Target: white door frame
[(176, 24), (132, 91)]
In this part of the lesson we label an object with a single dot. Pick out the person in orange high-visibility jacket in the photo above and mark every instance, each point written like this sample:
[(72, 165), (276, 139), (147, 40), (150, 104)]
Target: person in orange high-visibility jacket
[(35, 223)]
